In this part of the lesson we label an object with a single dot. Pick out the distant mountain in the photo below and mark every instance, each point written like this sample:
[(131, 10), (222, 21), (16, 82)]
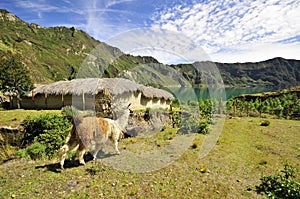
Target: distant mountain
[(276, 72), (58, 53)]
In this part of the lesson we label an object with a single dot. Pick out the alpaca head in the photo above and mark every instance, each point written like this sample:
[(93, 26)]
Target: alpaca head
[(120, 110), (121, 114)]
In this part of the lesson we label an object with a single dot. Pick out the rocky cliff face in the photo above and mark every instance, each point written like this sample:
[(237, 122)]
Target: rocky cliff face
[(7, 16)]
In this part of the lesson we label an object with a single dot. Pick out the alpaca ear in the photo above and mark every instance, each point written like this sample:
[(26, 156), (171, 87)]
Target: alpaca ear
[(128, 105)]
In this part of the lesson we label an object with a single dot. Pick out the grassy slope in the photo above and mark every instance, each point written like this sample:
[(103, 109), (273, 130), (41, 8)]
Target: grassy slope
[(52, 54), (245, 151)]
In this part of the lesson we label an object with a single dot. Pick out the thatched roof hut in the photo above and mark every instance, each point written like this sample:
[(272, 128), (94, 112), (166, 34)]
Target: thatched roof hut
[(52, 95)]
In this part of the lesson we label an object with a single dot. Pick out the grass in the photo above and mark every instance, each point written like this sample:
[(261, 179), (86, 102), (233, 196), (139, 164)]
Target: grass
[(14, 117), (244, 153)]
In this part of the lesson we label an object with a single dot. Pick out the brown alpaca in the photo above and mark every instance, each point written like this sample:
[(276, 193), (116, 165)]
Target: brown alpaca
[(92, 130)]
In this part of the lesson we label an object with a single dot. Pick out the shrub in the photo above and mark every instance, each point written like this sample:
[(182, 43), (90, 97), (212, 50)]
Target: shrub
[(22, 153), (281, 185), (175, 103), (206, 108), (50, 130), (188, 123), (34, 152), (203, 127), (53, 140), (176, 118)]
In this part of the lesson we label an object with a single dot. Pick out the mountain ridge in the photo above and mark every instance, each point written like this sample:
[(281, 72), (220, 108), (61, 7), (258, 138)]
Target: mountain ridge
[(57, 53)]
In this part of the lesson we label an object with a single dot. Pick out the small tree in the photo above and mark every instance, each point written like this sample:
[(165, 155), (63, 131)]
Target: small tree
[(14, 76)]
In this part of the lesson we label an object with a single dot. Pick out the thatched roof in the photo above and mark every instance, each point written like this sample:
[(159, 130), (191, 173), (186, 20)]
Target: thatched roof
[(151, 92), (93, 86)]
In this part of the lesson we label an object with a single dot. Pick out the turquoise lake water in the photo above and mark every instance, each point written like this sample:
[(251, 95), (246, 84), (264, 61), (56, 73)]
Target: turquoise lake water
[(194, 94)]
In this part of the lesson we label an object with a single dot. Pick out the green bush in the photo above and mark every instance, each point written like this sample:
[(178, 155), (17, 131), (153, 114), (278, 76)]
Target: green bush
[(203, 127), (22, 153), (50, 130), (281, 185), (175, 103), (176, 118), (188, 123), (34, 152), (206, 108)]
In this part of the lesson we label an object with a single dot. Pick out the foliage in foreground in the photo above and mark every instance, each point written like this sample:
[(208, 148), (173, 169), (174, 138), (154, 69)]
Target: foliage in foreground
[(281, 185), (44, 135)]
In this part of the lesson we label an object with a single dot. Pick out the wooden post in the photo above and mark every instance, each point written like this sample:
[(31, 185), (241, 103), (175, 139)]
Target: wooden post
[(18, 101), (62, 98), (83, 101), (234, 107), (220, 106), (32, 96), (46, 101), (11, 101)]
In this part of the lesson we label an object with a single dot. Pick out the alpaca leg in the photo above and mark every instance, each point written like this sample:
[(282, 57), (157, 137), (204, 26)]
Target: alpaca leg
[(97, 149), (81, 152), (116, 146), (64, 149)]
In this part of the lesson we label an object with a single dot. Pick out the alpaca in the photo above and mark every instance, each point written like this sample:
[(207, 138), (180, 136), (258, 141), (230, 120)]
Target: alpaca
[(88, 131)]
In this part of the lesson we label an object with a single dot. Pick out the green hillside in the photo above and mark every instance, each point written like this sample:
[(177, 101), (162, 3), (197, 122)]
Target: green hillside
[(51, 54), (57, 53)]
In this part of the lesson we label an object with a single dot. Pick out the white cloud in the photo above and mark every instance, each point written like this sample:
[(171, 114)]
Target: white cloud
[(221, 25), (37, 6), (103, 21), (257, 52), (166, 46), (114, 2)]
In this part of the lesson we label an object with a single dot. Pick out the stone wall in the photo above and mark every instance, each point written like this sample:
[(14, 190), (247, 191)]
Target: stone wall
[(147, 122)]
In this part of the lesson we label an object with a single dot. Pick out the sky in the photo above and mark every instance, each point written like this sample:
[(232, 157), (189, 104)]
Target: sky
[(178, 30)]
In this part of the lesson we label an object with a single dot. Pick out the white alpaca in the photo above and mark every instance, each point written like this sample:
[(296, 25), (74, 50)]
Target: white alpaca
[(86, 130)]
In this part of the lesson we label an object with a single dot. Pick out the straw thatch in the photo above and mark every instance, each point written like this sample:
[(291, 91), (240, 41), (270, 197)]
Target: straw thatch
[(151, 92), (93, 86)]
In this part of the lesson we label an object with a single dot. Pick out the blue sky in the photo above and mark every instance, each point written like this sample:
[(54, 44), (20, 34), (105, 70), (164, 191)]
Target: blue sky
[(226, 30)]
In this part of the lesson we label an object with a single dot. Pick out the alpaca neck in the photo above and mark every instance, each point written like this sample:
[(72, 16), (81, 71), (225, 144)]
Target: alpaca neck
[(122, 121)]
